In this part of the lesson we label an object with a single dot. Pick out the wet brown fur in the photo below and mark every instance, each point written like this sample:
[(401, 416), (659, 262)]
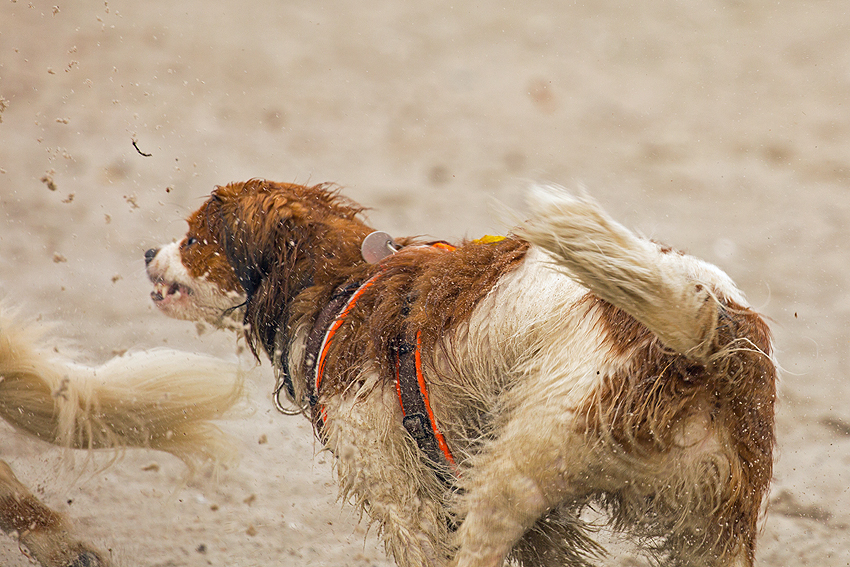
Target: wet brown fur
[(278, 240), (424, 289), (290, 247), (641, 408), (28, 514)]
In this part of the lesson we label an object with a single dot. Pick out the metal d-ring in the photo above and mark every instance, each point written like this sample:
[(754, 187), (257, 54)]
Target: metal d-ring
[(280, 388)]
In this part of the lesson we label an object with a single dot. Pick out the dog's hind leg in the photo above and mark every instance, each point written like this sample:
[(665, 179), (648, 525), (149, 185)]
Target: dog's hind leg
[(41, 530), (536, 464)]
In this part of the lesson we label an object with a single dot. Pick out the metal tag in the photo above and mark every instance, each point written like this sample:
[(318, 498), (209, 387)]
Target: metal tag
[(377, 246)]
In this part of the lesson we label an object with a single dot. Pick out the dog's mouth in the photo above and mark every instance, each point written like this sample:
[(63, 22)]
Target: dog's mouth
[(166, 292)]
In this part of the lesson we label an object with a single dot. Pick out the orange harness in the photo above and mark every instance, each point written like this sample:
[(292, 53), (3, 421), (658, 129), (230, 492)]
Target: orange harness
[(337, 323), (412, 390)]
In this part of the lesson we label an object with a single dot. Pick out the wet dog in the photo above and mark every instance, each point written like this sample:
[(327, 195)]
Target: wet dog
[(478, 397)]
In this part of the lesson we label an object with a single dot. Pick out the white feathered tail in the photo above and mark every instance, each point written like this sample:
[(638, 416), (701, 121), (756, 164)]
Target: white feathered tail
[(158, 399), (672, 294)]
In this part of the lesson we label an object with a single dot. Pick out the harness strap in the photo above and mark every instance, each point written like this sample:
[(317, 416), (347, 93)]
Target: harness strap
[(320, 337), (419, 420)]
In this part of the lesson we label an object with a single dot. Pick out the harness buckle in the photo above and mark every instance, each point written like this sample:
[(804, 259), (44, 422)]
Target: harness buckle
[(417, 426)]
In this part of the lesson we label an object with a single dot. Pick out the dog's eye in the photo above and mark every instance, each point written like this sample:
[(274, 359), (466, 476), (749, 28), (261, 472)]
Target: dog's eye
[(191, 241)]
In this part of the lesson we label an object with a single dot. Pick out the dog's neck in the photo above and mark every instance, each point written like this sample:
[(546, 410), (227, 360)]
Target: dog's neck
[(317, 260)]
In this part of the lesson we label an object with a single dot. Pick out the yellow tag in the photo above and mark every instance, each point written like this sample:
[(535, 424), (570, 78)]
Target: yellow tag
[(488, 239)]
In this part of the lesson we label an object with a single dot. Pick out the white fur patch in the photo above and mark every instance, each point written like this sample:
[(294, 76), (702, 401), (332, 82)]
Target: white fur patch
[(179, 295)]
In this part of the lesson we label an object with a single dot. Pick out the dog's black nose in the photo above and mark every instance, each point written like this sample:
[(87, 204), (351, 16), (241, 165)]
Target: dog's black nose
[(150, 254)]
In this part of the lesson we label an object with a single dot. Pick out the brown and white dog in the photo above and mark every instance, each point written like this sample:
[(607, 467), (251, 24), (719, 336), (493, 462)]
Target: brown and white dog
[(158, 399), (571, 365)]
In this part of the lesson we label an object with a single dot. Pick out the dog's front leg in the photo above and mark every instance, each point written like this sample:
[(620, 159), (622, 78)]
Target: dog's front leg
[(381, 470)]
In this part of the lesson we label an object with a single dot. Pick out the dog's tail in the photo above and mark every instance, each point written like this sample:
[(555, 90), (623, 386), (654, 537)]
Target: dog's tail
[(674, 296), (159, 399)]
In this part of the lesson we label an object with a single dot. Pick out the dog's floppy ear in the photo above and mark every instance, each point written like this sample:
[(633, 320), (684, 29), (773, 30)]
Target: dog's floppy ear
[(261, 228), (254, 230)]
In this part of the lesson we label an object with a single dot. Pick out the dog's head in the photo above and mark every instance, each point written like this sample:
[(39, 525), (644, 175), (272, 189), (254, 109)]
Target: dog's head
[(250, 248)]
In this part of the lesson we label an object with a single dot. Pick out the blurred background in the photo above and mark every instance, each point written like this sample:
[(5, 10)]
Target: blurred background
[(717, 126)]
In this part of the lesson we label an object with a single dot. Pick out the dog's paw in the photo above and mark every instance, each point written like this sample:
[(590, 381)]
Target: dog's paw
[(89, 558)]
